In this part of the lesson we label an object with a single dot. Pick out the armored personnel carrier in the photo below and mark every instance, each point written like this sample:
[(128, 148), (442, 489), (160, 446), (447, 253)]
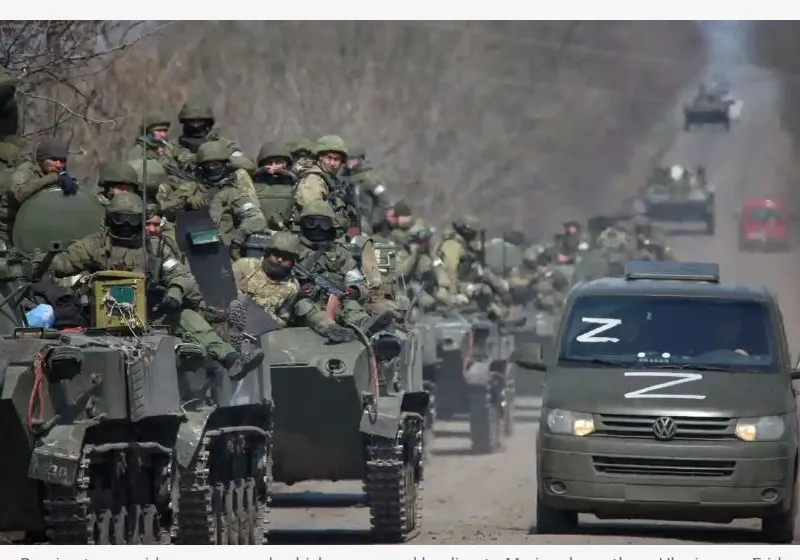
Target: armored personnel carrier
[(91, 420), (707, 107), (224, 448), (678, 196)]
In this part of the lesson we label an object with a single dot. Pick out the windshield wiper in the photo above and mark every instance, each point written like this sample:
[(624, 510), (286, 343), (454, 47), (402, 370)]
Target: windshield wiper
[(699, 367), (597, 361)]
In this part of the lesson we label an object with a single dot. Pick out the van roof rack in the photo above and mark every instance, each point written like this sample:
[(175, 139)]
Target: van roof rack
[(672, 270)]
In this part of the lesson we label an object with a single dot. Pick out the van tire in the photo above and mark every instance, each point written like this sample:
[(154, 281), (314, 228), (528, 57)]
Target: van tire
[(552, 521)]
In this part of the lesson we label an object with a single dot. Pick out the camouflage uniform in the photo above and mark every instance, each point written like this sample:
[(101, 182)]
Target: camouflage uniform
[(118, 249), (314, 183), (275, 192), (228, 195), (422, 269), (459, 253), (302, 152), (190, 140), (332, 258), (522, 279), (280, 297), (27, 179), (163, 152), (373, 197)]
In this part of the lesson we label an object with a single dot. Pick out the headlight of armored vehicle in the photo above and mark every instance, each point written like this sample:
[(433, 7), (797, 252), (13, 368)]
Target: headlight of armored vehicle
[(570, 423), (765, 428)]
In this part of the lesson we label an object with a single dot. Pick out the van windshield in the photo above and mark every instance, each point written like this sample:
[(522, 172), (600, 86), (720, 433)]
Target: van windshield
[(671, 331)]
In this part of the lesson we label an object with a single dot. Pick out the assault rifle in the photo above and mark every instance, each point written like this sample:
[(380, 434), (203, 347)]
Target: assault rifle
[(305, 276)]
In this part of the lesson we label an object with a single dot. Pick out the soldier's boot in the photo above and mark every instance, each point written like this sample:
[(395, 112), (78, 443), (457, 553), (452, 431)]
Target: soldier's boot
[(376, 323), (238, 365)]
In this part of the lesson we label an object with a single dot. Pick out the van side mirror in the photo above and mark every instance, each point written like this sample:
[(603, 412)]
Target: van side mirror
[(529, 356)]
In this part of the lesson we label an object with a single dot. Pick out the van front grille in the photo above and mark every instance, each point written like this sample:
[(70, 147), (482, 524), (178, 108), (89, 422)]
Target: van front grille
[(648, 466), (689, 427)]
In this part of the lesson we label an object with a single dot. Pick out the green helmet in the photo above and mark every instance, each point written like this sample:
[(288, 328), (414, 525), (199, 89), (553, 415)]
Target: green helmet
[(125, 203), (318, 208), (196, 109), (8, 152), (156, 174), (117, 173), (357, 151), (330, 143), (284, 242), (153, 120), (215, 150), (299, 146), (468, 222), (274, 150), (420, 232)]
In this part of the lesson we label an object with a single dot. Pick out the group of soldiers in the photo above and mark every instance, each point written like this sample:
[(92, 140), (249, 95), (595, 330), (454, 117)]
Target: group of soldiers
[(314, 236)]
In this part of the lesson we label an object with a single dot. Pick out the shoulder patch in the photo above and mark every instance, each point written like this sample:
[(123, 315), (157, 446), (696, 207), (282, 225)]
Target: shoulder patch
[(169, 264)]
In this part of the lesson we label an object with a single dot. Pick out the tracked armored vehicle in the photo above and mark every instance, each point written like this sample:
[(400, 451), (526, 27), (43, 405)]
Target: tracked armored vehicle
[(224, 449), (666, 201), (707, 108), (92, 420)]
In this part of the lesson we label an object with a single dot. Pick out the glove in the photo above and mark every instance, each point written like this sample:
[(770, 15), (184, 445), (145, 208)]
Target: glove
[(68, 183), (197, 201), (169, 305), (338, 333)]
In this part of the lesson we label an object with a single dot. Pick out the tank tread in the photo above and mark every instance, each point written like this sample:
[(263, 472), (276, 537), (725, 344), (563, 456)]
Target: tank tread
[(393, 488), (66, 509), (233, 511)]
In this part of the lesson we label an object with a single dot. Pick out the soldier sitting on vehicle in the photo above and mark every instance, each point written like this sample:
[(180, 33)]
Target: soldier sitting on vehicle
[(268, 281), (227, 193), (424, 271), (119, 247)]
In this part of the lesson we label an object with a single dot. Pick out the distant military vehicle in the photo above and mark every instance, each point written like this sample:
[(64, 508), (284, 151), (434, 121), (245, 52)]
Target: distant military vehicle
[(677, 195), (707, 107)]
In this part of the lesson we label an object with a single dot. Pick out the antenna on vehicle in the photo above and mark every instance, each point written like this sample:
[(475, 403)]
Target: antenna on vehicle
[(143, 194)]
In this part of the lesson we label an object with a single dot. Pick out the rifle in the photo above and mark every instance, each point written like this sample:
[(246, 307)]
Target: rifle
[(347, 193), (179, 173), (305, 276)]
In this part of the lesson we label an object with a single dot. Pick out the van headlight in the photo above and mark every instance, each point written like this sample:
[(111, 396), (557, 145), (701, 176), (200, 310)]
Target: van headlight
[(570, 423), (764, 428)]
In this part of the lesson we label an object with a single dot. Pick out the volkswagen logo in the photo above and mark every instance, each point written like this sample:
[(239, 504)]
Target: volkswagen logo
[(664, 428)]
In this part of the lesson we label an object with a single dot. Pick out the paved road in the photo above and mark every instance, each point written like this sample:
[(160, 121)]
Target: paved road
[(490, 499)]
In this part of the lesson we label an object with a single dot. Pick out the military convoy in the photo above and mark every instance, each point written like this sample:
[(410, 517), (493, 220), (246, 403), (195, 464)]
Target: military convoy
[(707, 107)]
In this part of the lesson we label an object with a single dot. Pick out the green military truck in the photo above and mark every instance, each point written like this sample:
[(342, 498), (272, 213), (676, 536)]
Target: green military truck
[(668, 396)]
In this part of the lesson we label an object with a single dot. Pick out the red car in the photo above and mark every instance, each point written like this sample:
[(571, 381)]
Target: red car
[(764, 226)]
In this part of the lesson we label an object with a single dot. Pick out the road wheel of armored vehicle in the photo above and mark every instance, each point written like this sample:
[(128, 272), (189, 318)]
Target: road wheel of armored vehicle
[(392, 484), (779, 528), (224, 495), (109, 503), (430, 421), (551, 521), (485, 422)]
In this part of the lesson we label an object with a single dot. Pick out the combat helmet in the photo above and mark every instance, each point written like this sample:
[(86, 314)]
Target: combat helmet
[(272, 150), (300, 147), (215, 150), (468, 226), (8, 153), (357, 151), (156, 174), (284, 242), (154, 120), (331, 143), (125, 217), (117, 173), (196, 109)]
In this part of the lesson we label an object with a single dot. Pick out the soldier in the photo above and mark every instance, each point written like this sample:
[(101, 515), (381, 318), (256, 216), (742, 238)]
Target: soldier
[(274, 184), (572, 242), (49, 168), (424, 271), (550, 285), (268, 281), (460, 252), (319, 181), (157, 187), (522, 279), (614, 241), (374, 199), (515, 237), (302, 152), (323, 253), (227, 193), (114, 178), (197, 120), (155, 143), (119, 247)]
